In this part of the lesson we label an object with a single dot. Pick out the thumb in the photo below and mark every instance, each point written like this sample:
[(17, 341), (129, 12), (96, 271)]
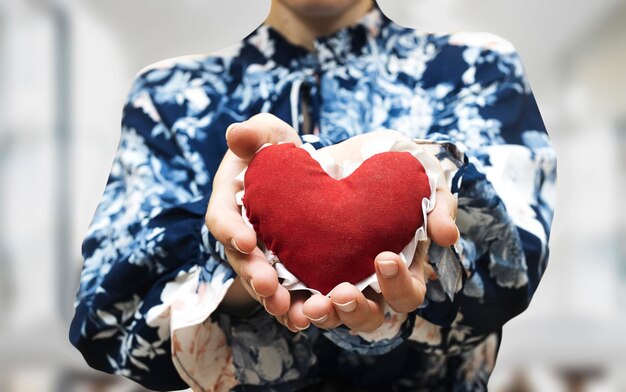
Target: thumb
[(245, 138)]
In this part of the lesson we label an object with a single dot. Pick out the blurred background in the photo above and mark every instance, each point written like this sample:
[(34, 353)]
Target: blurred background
[(66, 67)]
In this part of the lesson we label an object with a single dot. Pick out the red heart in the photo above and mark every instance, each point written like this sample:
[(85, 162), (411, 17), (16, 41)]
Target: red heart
[(328, 231)]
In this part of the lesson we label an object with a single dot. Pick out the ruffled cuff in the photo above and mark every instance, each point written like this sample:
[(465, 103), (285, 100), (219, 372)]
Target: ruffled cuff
[(449, 263), (200, 351)]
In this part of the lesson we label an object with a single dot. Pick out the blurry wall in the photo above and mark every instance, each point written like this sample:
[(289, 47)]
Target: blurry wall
[(65, 69)]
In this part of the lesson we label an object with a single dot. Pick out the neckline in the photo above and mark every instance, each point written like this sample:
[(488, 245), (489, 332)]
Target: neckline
[(336, 48)]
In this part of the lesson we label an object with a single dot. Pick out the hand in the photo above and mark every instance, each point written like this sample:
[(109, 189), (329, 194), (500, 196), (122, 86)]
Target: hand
[(224, 221), (402, 287)]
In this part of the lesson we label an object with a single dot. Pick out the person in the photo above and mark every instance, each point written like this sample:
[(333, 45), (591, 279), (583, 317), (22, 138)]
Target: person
[(174, 292)]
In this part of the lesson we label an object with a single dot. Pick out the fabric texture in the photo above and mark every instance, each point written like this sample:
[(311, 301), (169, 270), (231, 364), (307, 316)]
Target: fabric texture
[(147, 305)]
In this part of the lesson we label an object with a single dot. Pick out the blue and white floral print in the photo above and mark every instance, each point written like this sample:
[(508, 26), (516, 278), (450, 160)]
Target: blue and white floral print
[(153, 277)]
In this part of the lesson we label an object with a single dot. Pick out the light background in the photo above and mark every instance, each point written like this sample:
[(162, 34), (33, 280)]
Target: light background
[(65, 69)]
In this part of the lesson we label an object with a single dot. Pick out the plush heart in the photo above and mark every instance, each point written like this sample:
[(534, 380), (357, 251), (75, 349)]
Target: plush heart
[(328, 231)]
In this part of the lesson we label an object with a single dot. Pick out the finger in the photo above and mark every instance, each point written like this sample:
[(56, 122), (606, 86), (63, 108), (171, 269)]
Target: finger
[(284, 320), (277, 304), (223, 217), (421, 268), (441, 226), (429, 272), (354, 310), (245, 138), (296, 316), (402, 291), (287, 323), (255, 271), (321, 312), (229, 228)]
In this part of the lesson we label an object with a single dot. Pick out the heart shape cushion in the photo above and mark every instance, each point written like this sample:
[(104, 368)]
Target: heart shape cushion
[(327, 231)]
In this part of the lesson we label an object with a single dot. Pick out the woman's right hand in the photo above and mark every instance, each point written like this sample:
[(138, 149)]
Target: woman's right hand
[(224, 220)]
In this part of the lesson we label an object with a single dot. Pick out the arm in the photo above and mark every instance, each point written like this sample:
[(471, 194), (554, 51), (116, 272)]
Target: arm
[(505, 192), (504, 183), (145, 243)]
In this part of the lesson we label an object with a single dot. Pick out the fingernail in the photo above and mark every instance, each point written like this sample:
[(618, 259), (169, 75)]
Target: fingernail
[(300, 328), (265, 306), (347, 307), (291, 326), (233, 243), (230, 128), (254, 289), (388, 268), (318, 320)]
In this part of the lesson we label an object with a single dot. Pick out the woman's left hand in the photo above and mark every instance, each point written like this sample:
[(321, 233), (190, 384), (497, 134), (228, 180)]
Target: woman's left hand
[(402, 288)]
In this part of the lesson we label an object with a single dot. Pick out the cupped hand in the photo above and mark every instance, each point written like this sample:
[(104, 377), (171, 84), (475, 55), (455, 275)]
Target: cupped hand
[(224, 220), (402, 287)]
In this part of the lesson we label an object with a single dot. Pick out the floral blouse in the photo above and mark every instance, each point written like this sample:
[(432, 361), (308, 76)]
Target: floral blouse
[(153, 277)]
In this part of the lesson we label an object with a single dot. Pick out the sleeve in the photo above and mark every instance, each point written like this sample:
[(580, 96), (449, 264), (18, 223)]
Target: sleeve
[(505, 189), (147, 252), (502, 168)]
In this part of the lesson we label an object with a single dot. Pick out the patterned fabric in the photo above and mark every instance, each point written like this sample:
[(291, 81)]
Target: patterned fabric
[(153, 277)]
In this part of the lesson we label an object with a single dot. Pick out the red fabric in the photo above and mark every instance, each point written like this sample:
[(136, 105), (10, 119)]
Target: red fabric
[(327, 231)]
